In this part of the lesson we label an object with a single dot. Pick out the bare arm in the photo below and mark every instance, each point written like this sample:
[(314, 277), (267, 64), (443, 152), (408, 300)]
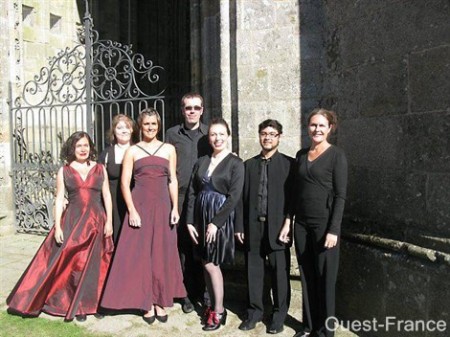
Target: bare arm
[(59, 205), (125, 180), (173, 186), (108, 231)]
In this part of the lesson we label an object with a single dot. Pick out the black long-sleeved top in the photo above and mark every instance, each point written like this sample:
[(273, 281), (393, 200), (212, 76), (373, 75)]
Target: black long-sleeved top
[(227, 179), (320, 188), (189, 145)]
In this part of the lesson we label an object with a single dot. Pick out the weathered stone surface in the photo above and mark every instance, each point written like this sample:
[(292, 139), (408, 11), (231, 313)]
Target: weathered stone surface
[(388, 197), (373, 29), (287, 79), (371, 143), (429, 71), (376, 284), (407, 287), (346, 92), (439, 294), (382, 88), (256, 15), (438, 202), (425, 142), (359, 284), (253, 83)]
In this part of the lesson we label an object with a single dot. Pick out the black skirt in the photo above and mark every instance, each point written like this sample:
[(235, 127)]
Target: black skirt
[(207, 204)]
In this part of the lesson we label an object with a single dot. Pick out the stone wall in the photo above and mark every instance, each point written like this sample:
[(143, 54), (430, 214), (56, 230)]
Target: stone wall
[(384, 67), (268, 71), (6, 46), (32, 32)]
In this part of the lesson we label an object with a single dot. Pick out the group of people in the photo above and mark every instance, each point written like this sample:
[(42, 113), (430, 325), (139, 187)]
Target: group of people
[(119, 222)]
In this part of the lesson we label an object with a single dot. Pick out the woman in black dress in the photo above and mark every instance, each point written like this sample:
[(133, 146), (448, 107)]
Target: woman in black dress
[(320, 192), (214, 192), (122, 134)]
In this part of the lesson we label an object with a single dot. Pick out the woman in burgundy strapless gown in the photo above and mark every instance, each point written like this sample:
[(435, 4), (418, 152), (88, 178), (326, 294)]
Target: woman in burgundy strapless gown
[(66, 276), (146, 271)]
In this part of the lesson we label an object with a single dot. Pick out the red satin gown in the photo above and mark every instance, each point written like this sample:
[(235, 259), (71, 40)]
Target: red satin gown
[(146, 268), (67, 280)]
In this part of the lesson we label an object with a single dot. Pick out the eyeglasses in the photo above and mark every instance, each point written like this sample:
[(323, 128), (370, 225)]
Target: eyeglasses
[(269, 135), (195, 107)]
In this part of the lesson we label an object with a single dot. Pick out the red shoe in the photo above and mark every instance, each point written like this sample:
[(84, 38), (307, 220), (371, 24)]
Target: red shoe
[(205, 315), (215, 320)]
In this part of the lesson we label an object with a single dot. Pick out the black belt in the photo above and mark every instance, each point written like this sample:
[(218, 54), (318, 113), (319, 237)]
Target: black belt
[(262, 218)]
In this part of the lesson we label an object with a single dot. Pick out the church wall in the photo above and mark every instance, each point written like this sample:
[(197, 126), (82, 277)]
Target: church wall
[(268, 72), (385, 72)]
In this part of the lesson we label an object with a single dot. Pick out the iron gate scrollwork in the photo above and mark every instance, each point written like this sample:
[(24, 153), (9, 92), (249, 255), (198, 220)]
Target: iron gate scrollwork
[(82, 88)]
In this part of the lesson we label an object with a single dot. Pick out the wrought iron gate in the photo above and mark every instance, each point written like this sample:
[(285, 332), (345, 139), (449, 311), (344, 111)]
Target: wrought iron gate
[(82, 89)]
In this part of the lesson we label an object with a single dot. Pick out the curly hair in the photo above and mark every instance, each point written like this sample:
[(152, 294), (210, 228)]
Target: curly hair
[(68, 149)]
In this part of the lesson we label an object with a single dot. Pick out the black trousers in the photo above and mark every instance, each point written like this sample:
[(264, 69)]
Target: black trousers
[(191, 267), (318, 272), (279, 267)]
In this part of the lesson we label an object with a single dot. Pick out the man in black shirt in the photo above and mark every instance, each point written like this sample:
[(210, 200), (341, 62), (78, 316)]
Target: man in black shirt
[(266, 212), (190, 139)]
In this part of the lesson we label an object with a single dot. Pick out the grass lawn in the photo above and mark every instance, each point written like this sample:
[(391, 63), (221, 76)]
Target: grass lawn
[(17, 326)]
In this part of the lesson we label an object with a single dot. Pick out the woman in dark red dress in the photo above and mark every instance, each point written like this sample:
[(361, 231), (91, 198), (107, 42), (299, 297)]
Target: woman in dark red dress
[(146, 271), (66, 276)]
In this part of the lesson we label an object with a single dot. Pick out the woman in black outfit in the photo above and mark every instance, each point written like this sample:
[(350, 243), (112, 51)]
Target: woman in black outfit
[(214, 192), (320, 192), (123, 133)]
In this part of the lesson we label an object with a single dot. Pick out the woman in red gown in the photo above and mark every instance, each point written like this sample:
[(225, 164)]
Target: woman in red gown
[(146, 271), (66, 276)]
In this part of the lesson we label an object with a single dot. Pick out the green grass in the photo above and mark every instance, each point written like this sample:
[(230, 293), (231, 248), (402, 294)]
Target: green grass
[(17, 326)]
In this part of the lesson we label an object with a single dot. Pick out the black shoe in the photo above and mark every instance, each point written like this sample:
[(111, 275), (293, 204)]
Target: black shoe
[(302, 334), (275, 328), (99, 316), (215, 320), (81, 318), (187, 306), (149, 320), (248, 324), (162, 319)]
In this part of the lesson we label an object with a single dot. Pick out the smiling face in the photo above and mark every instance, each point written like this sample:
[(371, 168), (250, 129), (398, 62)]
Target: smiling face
[(149, 127), (319, 128), (82, 149), (218, 137), (122, 132), (269, 138)]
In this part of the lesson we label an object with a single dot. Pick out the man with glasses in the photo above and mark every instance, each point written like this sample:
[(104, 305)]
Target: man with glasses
[(266, 215), (190, 139)]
